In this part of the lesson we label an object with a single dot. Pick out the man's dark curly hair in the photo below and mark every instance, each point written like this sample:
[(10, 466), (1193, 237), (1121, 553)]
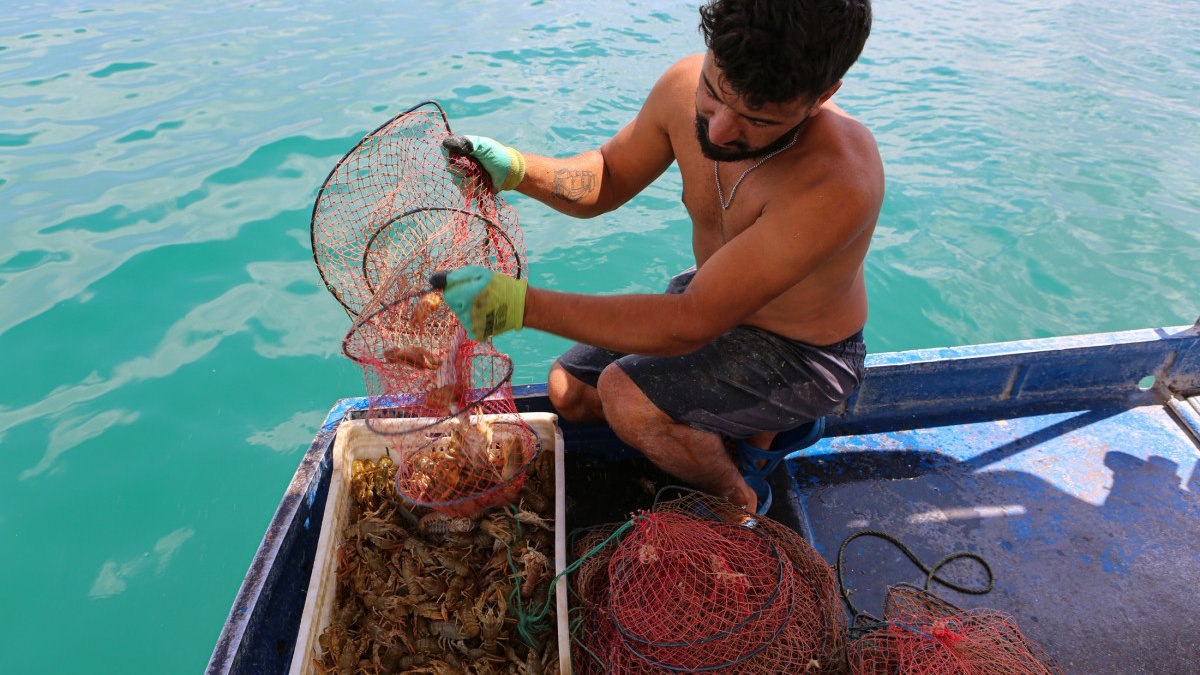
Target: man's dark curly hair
[(777, 51)]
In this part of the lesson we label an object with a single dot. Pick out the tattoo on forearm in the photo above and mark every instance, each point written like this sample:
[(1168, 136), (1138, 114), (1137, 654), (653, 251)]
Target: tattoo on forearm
[(572, 185)]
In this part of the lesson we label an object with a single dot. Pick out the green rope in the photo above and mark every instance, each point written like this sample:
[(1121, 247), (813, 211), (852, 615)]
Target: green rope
[(531, 623), (576, 625), (930, 572)]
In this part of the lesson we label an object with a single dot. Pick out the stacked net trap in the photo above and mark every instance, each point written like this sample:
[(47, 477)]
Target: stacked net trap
[(921, 633), (394, 210), (398, 207), (695, 585)]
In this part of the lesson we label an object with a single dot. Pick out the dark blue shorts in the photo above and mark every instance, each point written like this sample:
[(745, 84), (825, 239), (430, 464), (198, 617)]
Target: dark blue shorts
[(747, 381)]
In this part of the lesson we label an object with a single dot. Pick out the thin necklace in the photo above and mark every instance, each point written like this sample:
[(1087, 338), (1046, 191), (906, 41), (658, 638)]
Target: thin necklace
[(717, 174)]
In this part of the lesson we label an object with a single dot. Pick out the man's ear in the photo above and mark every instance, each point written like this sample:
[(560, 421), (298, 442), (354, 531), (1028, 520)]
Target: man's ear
[(825, 97)]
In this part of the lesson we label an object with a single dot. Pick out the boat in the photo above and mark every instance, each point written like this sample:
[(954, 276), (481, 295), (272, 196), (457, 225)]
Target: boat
[(1069, 464)]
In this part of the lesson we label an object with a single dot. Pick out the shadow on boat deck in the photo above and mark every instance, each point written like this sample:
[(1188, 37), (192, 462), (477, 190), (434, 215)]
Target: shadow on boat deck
[(1092, 538)]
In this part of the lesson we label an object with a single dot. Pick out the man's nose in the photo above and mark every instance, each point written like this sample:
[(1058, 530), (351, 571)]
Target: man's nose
[(722, 127)]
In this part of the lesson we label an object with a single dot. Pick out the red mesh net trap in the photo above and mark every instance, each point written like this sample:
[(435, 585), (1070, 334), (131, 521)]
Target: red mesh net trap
[(395, 209), (921, 633), (398, 207), (697, 586)]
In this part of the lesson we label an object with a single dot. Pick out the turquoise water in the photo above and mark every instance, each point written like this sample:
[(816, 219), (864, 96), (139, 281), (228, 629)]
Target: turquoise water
[(167, 347)]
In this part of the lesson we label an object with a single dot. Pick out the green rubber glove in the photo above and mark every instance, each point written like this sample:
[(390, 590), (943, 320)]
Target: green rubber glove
[(504, 165), (487, 303)]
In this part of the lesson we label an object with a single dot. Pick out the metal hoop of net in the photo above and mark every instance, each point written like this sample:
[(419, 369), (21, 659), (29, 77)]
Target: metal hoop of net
[(395, 209), (418, 362), (399, 207), (921, 633), (468, 465), (697, 585)]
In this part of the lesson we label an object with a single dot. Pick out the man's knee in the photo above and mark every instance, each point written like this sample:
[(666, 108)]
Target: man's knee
[(638, 421), (574, 400), (610, 384), (625, 405)]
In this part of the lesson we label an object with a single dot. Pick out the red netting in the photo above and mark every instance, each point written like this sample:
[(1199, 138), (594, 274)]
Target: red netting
[(816, 583), (921, 633), (696, 585), (591, 577), (687, 593), (467, 465), (397, 208)]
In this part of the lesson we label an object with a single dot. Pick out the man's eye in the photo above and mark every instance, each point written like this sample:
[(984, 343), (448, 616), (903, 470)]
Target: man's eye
[(756, 123)]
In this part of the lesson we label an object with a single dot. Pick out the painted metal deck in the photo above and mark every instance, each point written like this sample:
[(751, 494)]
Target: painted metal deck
[(1090, 520), (1071, 472)]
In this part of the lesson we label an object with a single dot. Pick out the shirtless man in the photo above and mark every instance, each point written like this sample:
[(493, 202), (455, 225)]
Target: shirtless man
[(783, 189)]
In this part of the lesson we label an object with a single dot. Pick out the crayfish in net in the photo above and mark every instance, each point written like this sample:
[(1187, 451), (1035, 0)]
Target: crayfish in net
[(423, 591), (695, 584), (428, 579), (476, 464)]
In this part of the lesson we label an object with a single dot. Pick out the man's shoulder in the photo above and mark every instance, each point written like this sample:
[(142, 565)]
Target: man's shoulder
[(689, 65), (849, 134), (681, 77), (846, 153), (668, 102), (837, 172)]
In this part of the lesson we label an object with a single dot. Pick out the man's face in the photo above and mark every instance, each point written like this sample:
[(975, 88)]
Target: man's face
[(737, 150), (728, 130)]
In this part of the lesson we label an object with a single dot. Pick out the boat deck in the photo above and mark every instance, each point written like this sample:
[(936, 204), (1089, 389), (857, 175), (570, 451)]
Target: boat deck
[(1090, 520), (1074, 476)]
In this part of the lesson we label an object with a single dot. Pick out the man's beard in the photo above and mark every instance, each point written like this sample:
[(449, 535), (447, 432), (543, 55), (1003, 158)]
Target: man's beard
[(739, 151)]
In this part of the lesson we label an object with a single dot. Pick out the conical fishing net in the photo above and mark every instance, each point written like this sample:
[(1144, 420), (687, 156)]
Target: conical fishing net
[(396, 209), (923, 634), (696, 585)]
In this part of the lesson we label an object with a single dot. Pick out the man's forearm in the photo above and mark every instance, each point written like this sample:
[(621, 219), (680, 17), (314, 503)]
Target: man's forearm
[(637, 324), (572, 185)]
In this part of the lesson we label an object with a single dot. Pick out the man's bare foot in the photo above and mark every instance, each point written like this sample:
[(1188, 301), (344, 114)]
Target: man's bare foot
[(743, 496)]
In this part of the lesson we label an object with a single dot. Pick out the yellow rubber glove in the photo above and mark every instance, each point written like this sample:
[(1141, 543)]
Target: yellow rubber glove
[(487, 303)]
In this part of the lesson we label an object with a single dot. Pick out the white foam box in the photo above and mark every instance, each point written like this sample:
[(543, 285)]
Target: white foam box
[(355, 440)]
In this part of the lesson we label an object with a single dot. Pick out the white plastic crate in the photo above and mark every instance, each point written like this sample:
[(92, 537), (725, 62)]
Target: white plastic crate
[(355, 441)]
